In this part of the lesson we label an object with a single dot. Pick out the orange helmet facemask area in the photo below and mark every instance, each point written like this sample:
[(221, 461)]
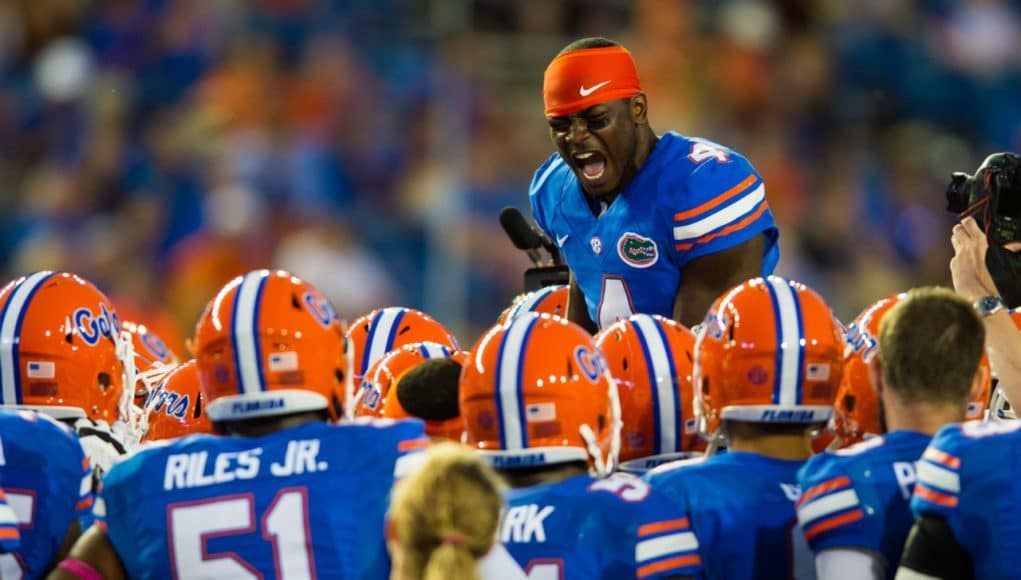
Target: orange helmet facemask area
[(857, 414), (771, 352), (652, 359), (536, 391), (61, 349), (377, 395), (175, 407), (271, 344)]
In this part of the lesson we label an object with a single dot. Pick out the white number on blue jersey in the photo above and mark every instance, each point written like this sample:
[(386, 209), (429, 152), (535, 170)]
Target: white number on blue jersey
[(23, 505), (614, 301), (703, 150), (626, 487), (284, 524), (500, 565)]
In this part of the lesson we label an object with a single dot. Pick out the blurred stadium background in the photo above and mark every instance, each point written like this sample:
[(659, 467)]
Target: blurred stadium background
[(160, 147)]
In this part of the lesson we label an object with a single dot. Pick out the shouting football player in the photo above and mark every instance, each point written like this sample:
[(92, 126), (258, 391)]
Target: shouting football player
[(648, 224)]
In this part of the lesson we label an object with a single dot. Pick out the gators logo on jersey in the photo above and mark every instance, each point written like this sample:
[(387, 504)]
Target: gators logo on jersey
[(637, 251)]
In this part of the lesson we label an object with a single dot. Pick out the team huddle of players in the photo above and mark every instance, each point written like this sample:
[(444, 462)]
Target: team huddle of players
[(272, 452)]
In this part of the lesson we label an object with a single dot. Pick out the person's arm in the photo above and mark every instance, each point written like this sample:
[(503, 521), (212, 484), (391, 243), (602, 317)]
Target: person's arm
[(932, 553), (848, 564), (705, 278), (92, 552), (973, 281), (577, 311)]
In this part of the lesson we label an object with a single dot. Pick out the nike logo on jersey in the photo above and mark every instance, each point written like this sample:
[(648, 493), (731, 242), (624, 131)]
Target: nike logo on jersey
[(586, 92), (561, 240)]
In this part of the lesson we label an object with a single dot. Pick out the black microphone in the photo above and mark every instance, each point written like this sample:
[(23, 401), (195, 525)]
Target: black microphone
[(521, 234)]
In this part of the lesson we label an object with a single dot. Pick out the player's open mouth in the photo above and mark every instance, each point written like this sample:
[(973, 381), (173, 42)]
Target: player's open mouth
[(591, 164)]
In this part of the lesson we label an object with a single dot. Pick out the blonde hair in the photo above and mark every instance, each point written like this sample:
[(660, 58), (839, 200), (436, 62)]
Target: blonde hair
[(445, 516)]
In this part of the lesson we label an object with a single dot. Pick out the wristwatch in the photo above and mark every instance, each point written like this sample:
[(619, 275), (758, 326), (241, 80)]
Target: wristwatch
[(988, 305)]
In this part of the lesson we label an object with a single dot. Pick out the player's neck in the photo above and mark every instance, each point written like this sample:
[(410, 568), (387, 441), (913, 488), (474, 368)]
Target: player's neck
[(922, 417), (786, 447), (267, 425), (518, 478)]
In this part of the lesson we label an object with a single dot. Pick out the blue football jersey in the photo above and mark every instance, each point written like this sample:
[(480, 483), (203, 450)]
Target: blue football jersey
[(741, 507), (858, 497), (586, 527), (969, 475), (691, 198), (305, 502), (47, 483)]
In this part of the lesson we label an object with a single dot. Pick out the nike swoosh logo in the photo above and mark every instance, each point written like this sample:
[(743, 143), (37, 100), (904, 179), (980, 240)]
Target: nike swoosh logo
[(586, 92), (561, 240)]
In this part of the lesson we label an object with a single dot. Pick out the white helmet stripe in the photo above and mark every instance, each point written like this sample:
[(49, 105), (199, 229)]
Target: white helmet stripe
[(431, 350), (10, 327), (513, 434), (381, 334), (790, 347), (247, 351), (531, 301), (657, 359)]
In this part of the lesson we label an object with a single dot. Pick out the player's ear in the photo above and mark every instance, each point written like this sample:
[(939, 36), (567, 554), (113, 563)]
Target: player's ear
[(639, 109), (983, 376)]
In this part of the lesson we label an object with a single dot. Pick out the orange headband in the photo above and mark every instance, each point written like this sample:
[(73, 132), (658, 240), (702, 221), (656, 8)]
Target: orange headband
[(576, 80)]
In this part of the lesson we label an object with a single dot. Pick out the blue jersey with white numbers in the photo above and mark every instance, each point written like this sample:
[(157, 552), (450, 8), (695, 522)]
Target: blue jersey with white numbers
[(585, 527), (47, 483), (969, 475), (304, 502), (858, 497), (741, 507), (691, 198)]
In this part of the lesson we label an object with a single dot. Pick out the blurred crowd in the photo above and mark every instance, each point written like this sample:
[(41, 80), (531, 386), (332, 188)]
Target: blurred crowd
[(160, 147)]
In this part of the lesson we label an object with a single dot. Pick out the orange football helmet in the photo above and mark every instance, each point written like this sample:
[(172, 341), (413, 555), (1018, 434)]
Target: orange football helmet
[(771, 352), (385, 372), (536, 391), (652, 358), (175, 406), (856, 413), (437, 429), (386, 329), (270, 344), (61, 351), (550, 299)]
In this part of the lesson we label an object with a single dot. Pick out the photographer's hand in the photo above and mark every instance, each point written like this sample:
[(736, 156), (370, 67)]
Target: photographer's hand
[(968, 266)]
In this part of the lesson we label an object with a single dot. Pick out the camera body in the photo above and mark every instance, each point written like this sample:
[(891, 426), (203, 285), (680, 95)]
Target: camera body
[(996, 185)]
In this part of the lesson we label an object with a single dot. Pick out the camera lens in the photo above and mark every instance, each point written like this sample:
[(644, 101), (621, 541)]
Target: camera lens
[(958, 192)]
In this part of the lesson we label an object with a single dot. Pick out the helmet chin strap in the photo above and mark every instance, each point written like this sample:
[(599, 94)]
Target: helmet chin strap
[(605, 467), (125, 351)]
